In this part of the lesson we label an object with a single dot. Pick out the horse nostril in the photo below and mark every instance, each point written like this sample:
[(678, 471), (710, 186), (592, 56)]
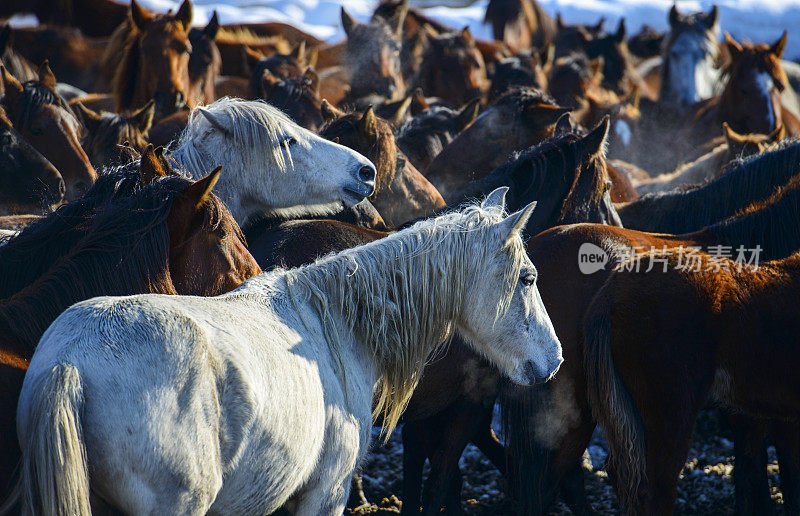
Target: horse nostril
[(366, 174)]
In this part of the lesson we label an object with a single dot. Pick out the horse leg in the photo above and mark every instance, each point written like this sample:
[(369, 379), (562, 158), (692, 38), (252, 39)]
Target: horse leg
[(573, 491), (413, 461), (457, 426), (786, 435), (488, 443), (750, 465)]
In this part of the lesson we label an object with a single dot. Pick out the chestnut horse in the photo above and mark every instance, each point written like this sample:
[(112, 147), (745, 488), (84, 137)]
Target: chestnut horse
[(150, 56), (171, 237), (751, 99), (737, 325), (549, 458), (29, 184), (402, 194), (205, 62), (45, 120), (520, 24)]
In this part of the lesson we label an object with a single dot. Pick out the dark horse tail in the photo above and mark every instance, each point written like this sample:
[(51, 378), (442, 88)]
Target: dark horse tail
[(612, 405)]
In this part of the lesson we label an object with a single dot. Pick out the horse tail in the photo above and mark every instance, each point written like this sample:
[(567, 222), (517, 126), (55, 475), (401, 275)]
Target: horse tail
[(612, 405), (54, 478)]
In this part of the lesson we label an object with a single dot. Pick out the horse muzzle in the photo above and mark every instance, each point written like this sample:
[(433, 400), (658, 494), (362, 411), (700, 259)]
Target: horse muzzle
[(169, 102), (535, 376)]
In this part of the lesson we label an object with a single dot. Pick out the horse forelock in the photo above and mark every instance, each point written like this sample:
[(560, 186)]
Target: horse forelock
[(36, 95), (401, 295)]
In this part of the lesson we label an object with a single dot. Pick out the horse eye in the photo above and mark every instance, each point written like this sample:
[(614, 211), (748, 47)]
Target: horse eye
[(289, 141), (528, 279)]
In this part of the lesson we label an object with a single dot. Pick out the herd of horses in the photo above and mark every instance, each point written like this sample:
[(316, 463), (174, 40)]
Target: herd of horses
[(419, 201)]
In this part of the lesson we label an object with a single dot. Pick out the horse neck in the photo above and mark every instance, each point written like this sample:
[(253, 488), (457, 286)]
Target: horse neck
[(126, 88), (398, 297)]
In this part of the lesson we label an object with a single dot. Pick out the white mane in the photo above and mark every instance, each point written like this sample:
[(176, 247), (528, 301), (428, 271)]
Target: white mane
[(406, 304)]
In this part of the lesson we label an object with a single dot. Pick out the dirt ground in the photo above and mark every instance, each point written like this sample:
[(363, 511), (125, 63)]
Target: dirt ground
[(705, 488)]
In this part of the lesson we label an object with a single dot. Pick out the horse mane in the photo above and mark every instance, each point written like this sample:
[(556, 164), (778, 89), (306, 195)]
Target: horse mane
[(254, 126), (125, 251), (383, 152), (31, 253), (123, 83), (393, 295), (246, 36), (684, 211), (768, 223), (556, 159)]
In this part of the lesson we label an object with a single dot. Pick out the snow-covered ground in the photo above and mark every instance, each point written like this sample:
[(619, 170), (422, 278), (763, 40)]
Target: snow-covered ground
[(757, 20)]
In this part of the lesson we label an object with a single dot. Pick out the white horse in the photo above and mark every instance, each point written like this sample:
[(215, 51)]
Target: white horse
[(690, 71), (262, 398), (272, 165)]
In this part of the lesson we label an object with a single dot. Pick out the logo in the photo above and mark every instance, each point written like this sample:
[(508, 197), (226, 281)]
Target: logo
[(591, 258)]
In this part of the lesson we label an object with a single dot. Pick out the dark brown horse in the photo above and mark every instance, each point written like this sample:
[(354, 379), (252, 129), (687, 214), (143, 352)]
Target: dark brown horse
[(520, 24), (570, 39), (29, 184), (401, 192), (110, 137), (205, 62), (522, 70), (453, 69), (45, 120), (171, 237), (423, 137), (298, 97), (552, 461), (150, 56), (518, 120), (751, 100), (372, 57)]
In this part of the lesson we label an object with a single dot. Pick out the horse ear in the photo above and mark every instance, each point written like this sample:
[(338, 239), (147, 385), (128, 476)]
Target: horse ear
[(674, 16), (328, 111), (184, 15), (150, 166), (90, 118), (214, 120), (252, 57), (312, 56), (143, 119), (516, 222), (595, 142), (563, 126), (779, 46), (599, 26), (468, 114), (213, 26), (547, 56), (711, 18), (731, 137), (466, 35), (198, 192), (734, 47), (5, 38), (11, 86), (140, 17), (348, 22), (401, 112), (496, 198), (619, 37), (419, 104), (398, 18), (311, 79), (560, 22), (298, 53), (46, 75), (368, 125)]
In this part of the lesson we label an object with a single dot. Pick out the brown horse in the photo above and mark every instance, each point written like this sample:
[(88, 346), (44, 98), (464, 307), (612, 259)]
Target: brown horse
[(28, 182), (453, 69), (298, 97), (520, 24), (423, 137), (550, 458), (371, 57), (401, 192), (171, 237), (524, 69), (750, 101), (110, 137), (619, 75), (518, 120), (150, 56), (723, 324), (45, 120), (205, 62), (570, 39)]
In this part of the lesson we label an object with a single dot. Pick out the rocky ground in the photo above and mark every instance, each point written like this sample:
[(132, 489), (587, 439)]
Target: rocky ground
[(706, 485)]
